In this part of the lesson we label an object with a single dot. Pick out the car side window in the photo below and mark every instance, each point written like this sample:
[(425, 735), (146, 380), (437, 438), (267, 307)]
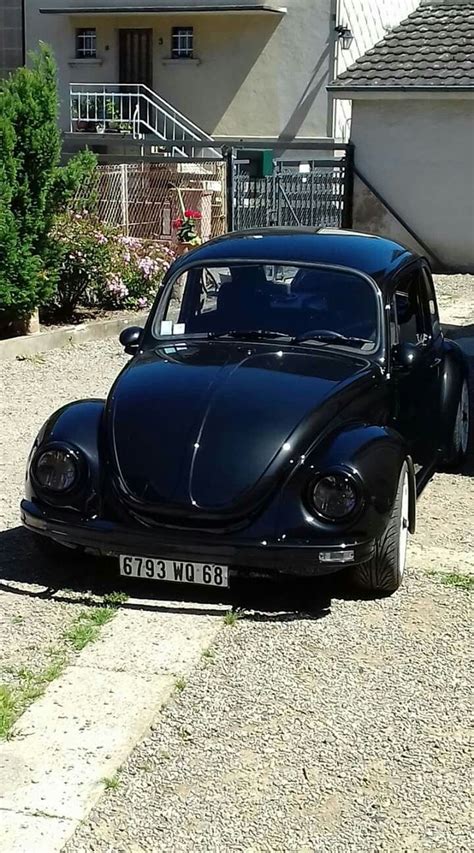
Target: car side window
[(409, 308)]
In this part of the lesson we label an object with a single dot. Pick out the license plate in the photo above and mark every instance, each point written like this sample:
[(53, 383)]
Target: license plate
[(177, 571)]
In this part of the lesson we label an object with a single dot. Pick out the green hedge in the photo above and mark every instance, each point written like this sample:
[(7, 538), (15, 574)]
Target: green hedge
[(33, 186)]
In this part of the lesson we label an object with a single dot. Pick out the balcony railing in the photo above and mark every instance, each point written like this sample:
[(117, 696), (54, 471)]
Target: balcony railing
[(137, 111)]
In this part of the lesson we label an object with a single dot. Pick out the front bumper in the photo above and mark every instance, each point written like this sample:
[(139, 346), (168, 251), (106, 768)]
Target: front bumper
[(108, 538)]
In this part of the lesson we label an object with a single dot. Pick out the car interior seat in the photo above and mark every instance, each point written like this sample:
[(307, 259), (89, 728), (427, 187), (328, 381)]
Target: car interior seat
[(244, 299)]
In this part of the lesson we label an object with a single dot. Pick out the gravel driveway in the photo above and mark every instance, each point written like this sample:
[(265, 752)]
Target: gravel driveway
[(316, 722), (341, 729), (32, 622)]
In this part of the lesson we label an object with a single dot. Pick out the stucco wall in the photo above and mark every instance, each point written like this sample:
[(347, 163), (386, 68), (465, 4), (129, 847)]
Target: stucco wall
[(419, 155), (369, 22), (11, 36), (259, 74)]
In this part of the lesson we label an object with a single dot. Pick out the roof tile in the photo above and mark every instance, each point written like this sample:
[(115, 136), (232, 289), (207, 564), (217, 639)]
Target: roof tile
[(433, 48)]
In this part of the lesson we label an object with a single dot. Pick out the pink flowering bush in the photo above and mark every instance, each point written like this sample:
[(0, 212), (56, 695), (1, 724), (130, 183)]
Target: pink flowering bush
[(137, 268), (97, 265)]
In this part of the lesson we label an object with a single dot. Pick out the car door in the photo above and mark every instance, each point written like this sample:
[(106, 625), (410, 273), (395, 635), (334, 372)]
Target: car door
[(415, 321)]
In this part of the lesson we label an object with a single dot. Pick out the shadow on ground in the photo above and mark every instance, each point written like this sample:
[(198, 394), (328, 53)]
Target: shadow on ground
[(25, 571)]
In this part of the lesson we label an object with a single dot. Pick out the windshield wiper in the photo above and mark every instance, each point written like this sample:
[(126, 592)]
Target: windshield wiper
[(328, 338), (252, 334)]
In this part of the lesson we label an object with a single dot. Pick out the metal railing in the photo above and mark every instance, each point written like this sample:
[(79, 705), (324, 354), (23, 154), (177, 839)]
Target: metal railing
[(136, 110)]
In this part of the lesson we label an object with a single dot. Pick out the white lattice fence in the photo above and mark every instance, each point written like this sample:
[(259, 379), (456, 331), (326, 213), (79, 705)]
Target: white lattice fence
[(142, 199)]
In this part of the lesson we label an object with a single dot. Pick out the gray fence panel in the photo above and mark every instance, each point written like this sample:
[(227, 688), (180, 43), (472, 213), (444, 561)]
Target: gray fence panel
[(285, 198)]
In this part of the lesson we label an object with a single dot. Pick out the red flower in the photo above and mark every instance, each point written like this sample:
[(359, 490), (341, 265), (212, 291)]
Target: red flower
[(192, 214), (177, 223)]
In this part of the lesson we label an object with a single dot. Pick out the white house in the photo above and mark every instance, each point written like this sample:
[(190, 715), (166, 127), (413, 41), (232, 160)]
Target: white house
[(413, 130), (234, 68)]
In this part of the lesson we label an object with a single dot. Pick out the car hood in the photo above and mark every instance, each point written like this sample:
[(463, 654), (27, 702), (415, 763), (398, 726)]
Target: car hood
[(201, 426)]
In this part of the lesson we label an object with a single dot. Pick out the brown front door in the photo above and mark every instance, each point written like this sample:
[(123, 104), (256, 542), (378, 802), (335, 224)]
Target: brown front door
[(136, 56)]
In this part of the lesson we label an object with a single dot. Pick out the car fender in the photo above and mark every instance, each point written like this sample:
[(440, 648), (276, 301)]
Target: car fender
[(374, 455), (77, 424), (453, 374)]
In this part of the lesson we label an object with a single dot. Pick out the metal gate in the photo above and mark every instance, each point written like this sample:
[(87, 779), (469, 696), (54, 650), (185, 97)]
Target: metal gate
[(320, 196)]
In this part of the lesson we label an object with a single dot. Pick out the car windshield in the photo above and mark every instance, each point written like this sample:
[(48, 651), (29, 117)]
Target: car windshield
[(306, 304)]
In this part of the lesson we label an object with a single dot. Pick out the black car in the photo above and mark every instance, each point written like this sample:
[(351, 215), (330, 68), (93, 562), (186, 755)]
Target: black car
[(289, 398)]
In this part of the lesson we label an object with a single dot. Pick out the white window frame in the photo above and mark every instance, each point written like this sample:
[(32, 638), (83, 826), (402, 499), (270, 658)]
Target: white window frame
[(182, 43), (86, 43)]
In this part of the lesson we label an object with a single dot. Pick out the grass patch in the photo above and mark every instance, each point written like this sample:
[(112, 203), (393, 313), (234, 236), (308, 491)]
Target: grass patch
[(87, 626), (111, 783), (231, 618), (208, 654), (30, 685), (14, 699), (115, 599), (180, 684), (465, 582), (8, 710)]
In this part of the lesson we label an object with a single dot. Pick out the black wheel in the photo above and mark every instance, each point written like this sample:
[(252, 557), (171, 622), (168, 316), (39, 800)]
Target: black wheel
[(52, 549), (457, 450), (383, 574)]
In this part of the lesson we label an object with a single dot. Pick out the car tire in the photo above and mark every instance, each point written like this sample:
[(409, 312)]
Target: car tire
[(383, 574), (457, 450)]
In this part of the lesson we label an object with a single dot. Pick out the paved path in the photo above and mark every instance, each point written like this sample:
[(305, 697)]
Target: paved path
[(79, 733)]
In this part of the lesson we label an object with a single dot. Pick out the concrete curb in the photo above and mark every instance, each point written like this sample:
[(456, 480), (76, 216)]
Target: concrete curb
[(89, 720), (28, 345)]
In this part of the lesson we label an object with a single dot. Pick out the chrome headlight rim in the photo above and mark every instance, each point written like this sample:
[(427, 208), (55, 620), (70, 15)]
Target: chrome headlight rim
[(355, 483), (78, 462)]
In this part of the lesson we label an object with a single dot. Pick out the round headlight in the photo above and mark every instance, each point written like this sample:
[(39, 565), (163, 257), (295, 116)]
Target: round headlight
[(334, 496), (56, 469)]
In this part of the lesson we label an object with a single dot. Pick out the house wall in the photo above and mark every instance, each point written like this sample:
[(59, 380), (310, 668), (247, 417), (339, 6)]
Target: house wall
[(419, 155), (11, 35), (259, 74), (369, 22)]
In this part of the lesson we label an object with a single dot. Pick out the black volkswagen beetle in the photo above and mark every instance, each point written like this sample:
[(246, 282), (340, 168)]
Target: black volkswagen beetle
[(289, 398)]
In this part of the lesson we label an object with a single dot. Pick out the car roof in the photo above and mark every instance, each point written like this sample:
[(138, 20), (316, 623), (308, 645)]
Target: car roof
[(379, 257)]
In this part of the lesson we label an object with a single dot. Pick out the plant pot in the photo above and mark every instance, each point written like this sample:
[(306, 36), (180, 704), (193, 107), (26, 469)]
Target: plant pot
[(182, 248), (26, 325)]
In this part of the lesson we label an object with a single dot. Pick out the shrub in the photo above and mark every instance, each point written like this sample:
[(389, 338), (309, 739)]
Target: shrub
[(137, 269), (99, 266), (29, 155), (33, 187), (79, 173), (81, 258)]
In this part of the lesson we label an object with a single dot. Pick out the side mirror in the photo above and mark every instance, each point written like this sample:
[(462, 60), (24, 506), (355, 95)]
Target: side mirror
[(130, 338), (406, 355)]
